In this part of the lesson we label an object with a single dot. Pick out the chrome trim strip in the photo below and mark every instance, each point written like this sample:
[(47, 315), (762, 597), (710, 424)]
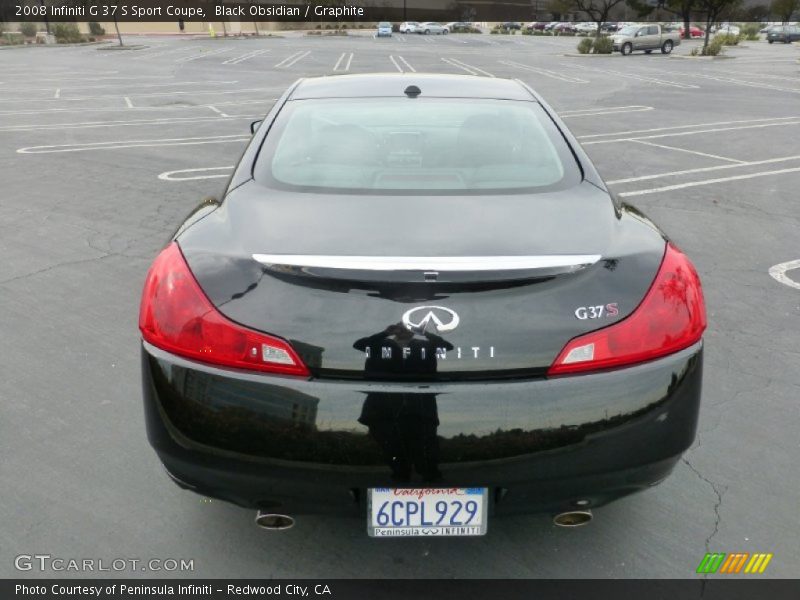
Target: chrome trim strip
[(430, 263)]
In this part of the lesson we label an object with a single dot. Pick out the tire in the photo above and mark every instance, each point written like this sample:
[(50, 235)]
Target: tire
[(427, 31), (626, 49), (444, 31), (666, 47)]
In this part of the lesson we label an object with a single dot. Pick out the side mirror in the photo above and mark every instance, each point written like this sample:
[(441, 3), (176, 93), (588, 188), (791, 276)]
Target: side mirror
[(255, 125)]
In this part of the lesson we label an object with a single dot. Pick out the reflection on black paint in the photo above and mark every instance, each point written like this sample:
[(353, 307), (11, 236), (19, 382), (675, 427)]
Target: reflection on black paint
[(403, 425)]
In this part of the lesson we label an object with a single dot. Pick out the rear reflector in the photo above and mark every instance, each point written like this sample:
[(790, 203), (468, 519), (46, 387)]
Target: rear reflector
[(175, 315), (671, 317)]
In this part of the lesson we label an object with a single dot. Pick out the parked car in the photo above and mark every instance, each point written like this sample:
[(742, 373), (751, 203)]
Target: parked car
[(565, 27), (784, 33), (694, 32), (455, 25), (728, 29), (509, 25), (644, 37), (536, 25), (610, 27), (551, 25), (409, 26), (468, 314), (586, 27), (384, 29), (432, 27)]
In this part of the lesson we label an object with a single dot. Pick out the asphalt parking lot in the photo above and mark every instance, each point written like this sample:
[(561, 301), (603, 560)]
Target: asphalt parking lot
[(104, 152)]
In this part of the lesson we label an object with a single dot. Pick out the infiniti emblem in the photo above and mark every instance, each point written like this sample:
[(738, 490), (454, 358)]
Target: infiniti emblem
[(418, 319)]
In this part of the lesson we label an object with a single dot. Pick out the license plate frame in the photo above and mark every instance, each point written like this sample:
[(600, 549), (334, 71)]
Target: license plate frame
[(425, 499)]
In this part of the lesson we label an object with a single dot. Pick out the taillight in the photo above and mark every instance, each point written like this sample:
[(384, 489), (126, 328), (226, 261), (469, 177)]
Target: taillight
[(175, 315), (671, 317)]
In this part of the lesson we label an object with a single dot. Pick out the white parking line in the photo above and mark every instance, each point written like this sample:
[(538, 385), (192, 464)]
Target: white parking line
[(694, 132), (464, 65), (149, 95), (170, 175), (636, 77), (611, 110), (338, 62), (394, 62), (93, 79), (704, 169), (199, 55), (149, 55), (346, 59), (88, 109), (243, 57), (471, 69), (192, 141), (116, 86), (680, 186), (292, 59), (58, 93), (218, 111), (128, 102), (778, 273), (705, 154), (676, 127), (126, 123), (546, 72), (406, 63), (723, 78)]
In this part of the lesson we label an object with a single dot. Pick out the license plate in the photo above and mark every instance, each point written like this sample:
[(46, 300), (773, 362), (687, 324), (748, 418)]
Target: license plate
[(430, 512)]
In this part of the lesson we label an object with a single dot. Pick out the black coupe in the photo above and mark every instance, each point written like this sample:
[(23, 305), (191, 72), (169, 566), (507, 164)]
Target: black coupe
[(418, 303)]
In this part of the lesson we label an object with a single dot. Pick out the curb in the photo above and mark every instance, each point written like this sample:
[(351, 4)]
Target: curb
[(689, 57), (122, 48), (592, 55)]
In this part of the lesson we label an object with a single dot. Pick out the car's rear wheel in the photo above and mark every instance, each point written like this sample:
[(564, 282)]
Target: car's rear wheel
[(666, 48), (626, 49)]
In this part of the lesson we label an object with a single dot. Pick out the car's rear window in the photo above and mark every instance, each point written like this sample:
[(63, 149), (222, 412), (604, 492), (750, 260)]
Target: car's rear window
[(423, 145)]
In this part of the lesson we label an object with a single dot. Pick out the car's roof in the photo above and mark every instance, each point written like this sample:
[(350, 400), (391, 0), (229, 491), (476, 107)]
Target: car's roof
[(394, 84)]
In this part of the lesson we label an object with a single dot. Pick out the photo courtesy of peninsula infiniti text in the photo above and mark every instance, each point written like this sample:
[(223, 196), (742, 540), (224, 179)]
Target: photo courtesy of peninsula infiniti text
[(418, 304)]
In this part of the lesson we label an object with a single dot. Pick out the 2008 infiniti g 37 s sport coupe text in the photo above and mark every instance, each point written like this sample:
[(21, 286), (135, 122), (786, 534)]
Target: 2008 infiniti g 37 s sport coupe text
[(418, 303)]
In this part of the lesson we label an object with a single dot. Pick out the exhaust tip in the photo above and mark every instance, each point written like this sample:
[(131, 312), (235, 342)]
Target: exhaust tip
[(273, 521), (573, 518)]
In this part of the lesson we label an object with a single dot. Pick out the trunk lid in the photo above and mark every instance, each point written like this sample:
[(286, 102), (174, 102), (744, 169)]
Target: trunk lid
[(348, 280)]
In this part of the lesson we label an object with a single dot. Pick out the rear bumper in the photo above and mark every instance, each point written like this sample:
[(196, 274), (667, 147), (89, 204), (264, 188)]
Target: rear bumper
[(314, 446)]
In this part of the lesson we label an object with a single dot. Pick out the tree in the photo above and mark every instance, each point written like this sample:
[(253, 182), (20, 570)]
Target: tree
[(715, 10), (596, 10), (784, 9), (683, 8), (116, 26), (559, 8)]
